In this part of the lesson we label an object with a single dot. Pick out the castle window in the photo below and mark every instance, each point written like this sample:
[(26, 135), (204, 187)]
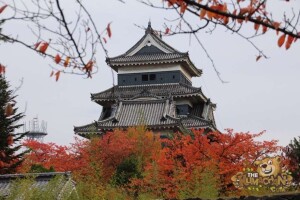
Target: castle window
[(183, 109), (135, 79), (148, 77), (152, 77), (106, 112), (145, 77), (173, 76)]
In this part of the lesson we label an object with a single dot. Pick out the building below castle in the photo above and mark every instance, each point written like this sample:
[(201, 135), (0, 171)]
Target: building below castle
[(154, 89)]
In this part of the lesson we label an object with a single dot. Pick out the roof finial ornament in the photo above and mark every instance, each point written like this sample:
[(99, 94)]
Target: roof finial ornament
[(149, 28)]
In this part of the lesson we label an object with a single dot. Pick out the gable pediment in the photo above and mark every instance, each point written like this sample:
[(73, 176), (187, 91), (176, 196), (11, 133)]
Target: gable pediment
[(150, 42), (149, 49)]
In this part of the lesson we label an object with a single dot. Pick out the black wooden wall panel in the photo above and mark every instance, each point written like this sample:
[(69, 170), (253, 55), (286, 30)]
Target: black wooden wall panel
[(161, 77)]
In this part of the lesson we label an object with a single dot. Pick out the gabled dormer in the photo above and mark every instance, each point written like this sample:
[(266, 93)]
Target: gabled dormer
[(152, 61)]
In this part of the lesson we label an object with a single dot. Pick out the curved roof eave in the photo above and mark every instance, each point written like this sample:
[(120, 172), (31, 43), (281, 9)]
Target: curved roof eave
[(193, 70), (149, 31), (114, 64), (197, 92)]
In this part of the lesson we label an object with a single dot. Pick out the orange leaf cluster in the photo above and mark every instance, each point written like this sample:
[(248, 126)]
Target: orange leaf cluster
[(202, 13), (167, 31), (36, 45), (89, 68), (57, 59), (288, 42), (2, 69), (276, 26), (57, 74), (108, 30), (9, 110), (172, 2), (220, 7), (43, 47), (183, 7), (264, 29), (258, 57), (2, 164), (2, 8), (243, 11), (256, 25), (10, 140), (67, 61)]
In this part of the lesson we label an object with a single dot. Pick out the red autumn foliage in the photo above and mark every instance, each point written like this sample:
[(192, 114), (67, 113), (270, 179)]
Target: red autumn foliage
[(167, 31), (2, 8), (281, 40), (2, 69), (237, 12), (43, 47), (108, 30), (57, 59), (166, 163), (109, 151), (9, 110), (228, 153), (62, 158), (36, 45), (10, 140), (106, 152), (57, 74), (67, 61)]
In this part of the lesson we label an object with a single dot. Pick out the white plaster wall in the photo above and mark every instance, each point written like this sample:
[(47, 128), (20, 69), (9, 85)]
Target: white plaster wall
[(184, 101)]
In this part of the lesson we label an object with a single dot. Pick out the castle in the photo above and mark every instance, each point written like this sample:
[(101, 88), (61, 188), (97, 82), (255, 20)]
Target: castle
[(154, 89)]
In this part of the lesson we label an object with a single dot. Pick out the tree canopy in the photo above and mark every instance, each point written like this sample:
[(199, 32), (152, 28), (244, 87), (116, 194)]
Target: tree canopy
[(10, 155), (137, 162)]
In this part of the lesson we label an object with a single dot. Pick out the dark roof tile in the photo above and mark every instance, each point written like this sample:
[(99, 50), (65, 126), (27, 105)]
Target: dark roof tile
[(162, 90), (134, 113), (154, 113), (195, 122), (41, 180), (148, 58)]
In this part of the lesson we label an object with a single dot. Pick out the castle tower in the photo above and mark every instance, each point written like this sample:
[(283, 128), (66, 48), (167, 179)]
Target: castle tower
[(154, 89)]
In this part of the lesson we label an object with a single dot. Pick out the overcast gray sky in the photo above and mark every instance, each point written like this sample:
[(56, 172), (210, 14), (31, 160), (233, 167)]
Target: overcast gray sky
[(260, 95)]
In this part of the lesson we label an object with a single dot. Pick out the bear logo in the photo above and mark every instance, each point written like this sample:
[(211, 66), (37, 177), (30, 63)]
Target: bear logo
[(236, 180), (269, 166)]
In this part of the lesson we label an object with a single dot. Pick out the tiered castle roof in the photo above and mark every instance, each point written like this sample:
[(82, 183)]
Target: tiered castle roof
[(154, 90), (160, 90), (151, 49)]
